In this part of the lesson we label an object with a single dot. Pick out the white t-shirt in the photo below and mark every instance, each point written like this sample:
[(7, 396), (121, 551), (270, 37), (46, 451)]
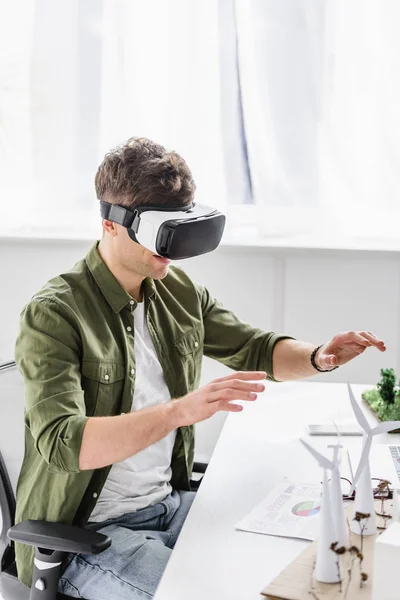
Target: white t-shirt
[(142, 479)]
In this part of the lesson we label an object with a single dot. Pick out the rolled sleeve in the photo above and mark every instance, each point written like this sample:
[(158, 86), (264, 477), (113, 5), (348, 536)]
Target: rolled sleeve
[(234, 343), (47, 354)]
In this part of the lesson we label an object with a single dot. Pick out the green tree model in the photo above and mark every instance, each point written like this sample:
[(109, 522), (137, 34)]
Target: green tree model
[(384, 400), (386, 386)]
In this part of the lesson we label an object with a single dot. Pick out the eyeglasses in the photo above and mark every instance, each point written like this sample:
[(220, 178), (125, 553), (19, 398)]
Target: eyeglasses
[(380, 488)]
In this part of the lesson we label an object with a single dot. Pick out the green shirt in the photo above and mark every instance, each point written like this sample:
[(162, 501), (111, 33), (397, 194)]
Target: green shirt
[(75, 350)]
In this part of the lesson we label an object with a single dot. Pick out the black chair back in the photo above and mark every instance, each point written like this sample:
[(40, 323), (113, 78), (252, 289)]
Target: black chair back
[(10, 387), (7, 512)]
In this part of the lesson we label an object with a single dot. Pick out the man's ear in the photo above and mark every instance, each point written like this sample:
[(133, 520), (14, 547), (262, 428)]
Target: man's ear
[(109, 227)]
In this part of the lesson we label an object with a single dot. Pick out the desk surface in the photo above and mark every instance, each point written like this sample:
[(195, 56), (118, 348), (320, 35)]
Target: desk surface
[(254, 452)]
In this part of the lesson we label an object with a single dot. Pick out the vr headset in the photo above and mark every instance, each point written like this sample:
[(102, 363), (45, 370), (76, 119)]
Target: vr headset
[(172, 232)]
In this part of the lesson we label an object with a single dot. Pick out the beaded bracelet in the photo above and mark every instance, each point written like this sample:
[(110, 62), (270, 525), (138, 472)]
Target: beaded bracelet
[(314, 364)]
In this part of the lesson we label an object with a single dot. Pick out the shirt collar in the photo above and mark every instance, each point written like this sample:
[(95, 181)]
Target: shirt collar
[(111, 289), (149, 288)]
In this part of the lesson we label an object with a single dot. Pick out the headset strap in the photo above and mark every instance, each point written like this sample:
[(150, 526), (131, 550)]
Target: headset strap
[(131, 219), (117, 214)]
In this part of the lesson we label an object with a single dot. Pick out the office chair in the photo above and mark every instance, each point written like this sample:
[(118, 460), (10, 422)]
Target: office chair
[(50, 540)]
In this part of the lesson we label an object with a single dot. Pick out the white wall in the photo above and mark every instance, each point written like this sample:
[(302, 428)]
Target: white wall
[(310, 294)]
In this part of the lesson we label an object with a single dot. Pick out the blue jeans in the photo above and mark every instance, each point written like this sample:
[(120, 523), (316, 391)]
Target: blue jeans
[(131, 568)]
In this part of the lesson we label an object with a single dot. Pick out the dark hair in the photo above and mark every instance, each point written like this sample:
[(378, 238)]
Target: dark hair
[(140, 171)]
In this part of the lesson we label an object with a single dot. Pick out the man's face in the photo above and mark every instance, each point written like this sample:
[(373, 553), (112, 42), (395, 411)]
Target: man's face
[(136, 258)]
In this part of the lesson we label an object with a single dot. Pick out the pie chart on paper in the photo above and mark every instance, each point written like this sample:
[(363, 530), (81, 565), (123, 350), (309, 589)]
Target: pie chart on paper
[(308, 508)]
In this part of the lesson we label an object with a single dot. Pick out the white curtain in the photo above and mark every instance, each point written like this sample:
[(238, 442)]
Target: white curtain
[(79, 77), (292, 105), (320, 85)]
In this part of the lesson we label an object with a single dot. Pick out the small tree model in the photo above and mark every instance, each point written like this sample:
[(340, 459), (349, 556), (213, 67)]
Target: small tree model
[(386, 386), (384, 401)]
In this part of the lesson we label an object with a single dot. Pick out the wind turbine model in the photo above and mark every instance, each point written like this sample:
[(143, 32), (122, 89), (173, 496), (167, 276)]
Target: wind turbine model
[(364, 501), (333, 522), (337, 498)]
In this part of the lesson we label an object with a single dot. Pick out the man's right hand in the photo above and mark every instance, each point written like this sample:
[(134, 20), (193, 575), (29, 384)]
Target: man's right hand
[(218, 395), (107, 440)]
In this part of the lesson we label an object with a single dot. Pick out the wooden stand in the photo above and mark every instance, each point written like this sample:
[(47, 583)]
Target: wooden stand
[(297, 581)]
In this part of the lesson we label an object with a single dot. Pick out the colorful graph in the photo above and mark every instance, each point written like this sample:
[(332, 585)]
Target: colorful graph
[(308, 508)]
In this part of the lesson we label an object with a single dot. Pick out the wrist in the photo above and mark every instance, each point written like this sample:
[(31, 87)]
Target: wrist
[(315, 363), (175, 414)]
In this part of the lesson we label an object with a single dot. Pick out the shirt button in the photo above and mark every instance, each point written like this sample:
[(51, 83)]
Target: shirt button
[(196, 344), (129, 328), (123, 413), (95, 495), (132, 371), (132, 302), (106, 377)]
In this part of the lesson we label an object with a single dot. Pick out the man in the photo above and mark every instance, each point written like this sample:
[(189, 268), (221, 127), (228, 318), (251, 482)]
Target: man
[(111, 354)]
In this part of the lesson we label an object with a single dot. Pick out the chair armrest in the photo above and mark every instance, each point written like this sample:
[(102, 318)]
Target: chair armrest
[(59, 536), (8, 364), (199, 467)]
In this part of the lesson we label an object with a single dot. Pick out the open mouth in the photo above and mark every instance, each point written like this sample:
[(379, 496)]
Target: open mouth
[(162, 259)]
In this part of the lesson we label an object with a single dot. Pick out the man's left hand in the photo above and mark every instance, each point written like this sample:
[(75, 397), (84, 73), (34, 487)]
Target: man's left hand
[(343, 347)]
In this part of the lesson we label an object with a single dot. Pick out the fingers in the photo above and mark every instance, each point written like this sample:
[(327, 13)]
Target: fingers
[(367, 339), (228, 394), (346, 346), (234, 389), (242, 385), (237, 384), (243, 375), (228, 407), (359, 338), (375, 341)]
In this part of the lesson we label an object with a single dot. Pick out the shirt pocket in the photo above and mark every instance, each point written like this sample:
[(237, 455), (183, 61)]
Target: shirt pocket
[(103, 385), (190, 352)]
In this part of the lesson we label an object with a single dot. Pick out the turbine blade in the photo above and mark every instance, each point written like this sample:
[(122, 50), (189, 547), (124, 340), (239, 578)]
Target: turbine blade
[(323, 461), (361, 418), (336, 449), (363, 459), (385, 427)]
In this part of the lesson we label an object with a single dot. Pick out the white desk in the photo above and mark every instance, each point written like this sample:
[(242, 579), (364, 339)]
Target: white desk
[(211, 559)]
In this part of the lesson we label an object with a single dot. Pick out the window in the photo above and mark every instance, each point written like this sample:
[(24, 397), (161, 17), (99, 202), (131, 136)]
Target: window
[(287, 111)]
